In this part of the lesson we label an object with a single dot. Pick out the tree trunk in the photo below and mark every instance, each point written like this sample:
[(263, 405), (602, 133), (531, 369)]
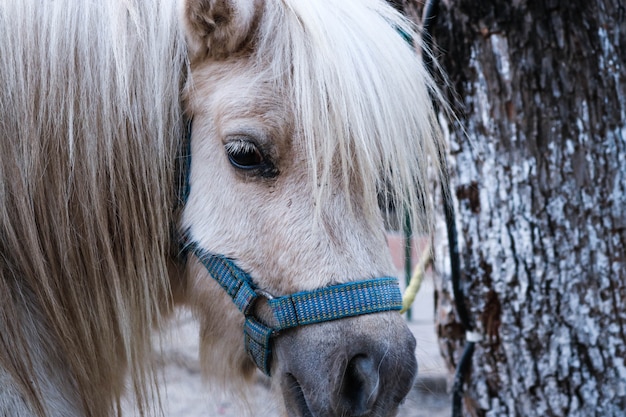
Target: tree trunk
[(538, 161)]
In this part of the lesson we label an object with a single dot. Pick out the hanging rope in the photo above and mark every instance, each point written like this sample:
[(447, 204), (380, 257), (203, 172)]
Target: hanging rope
[(417, 277)]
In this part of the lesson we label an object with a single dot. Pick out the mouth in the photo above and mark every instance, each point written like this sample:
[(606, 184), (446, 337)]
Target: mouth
[(295, 399)]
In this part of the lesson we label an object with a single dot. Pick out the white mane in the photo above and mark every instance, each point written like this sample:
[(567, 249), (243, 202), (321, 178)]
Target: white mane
[(90, 122)]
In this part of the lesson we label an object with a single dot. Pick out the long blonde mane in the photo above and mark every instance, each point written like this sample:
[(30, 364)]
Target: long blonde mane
[(89, 124)]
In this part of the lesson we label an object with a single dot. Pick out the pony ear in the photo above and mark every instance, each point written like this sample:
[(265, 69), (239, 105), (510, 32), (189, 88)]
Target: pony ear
[(217, 28)]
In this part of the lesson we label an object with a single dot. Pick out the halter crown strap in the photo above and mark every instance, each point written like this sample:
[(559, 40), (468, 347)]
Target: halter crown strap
[(299, 309)]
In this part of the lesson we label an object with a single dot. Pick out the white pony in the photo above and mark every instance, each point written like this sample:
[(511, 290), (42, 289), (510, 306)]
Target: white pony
[(303, 114)]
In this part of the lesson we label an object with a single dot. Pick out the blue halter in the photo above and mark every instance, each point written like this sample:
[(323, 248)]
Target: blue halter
[(299, 309)]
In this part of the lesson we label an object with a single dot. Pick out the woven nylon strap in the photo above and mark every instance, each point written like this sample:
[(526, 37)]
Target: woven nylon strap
[(299, 309)]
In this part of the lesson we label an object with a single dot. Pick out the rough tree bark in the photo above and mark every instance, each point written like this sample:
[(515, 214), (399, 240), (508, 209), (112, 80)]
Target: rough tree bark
[(540, 90)]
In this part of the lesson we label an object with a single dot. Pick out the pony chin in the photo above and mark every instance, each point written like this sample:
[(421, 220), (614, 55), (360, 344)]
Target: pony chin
[(218, 28), (222, 355)]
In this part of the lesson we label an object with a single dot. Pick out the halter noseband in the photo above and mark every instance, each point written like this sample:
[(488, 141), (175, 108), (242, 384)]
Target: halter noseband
[(299, 309)]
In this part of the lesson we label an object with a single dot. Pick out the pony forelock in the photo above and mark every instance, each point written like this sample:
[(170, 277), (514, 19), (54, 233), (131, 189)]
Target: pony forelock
[(361, 98)]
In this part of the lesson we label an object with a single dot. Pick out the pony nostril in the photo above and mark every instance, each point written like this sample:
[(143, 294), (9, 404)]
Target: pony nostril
[(359, 388)]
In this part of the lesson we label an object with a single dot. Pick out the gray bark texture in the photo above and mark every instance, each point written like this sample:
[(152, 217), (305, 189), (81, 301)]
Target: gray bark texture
[(538, 171)]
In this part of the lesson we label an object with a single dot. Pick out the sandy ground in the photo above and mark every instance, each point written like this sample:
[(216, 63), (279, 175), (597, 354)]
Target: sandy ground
[(186, 395)]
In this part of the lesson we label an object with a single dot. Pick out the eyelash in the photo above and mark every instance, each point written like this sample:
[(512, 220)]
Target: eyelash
[(244, 155)]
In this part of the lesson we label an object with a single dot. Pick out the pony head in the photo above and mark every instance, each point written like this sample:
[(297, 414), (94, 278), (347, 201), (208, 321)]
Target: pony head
[(304, 114)]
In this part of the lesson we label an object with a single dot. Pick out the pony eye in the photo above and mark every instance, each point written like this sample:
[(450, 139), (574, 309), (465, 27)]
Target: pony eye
[(244, 155)]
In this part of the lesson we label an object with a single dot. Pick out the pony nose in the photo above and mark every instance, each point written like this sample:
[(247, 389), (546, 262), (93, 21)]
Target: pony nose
[(360, 385), (380, 370), (356, 367)]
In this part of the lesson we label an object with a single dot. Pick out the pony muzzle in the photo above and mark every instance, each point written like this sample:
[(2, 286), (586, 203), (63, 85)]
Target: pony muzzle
[(320, 342)]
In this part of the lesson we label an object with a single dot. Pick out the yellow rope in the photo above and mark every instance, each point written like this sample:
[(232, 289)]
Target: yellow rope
[(416, 279)]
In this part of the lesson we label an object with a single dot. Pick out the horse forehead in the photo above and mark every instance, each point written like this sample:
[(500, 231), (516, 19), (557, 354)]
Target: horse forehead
[(233, 89)]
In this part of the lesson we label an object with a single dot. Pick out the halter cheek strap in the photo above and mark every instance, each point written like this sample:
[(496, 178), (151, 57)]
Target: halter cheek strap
[(299, 309)]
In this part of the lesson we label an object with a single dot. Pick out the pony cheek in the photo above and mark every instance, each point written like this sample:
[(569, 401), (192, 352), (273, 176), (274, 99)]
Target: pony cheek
[(222, 354)]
